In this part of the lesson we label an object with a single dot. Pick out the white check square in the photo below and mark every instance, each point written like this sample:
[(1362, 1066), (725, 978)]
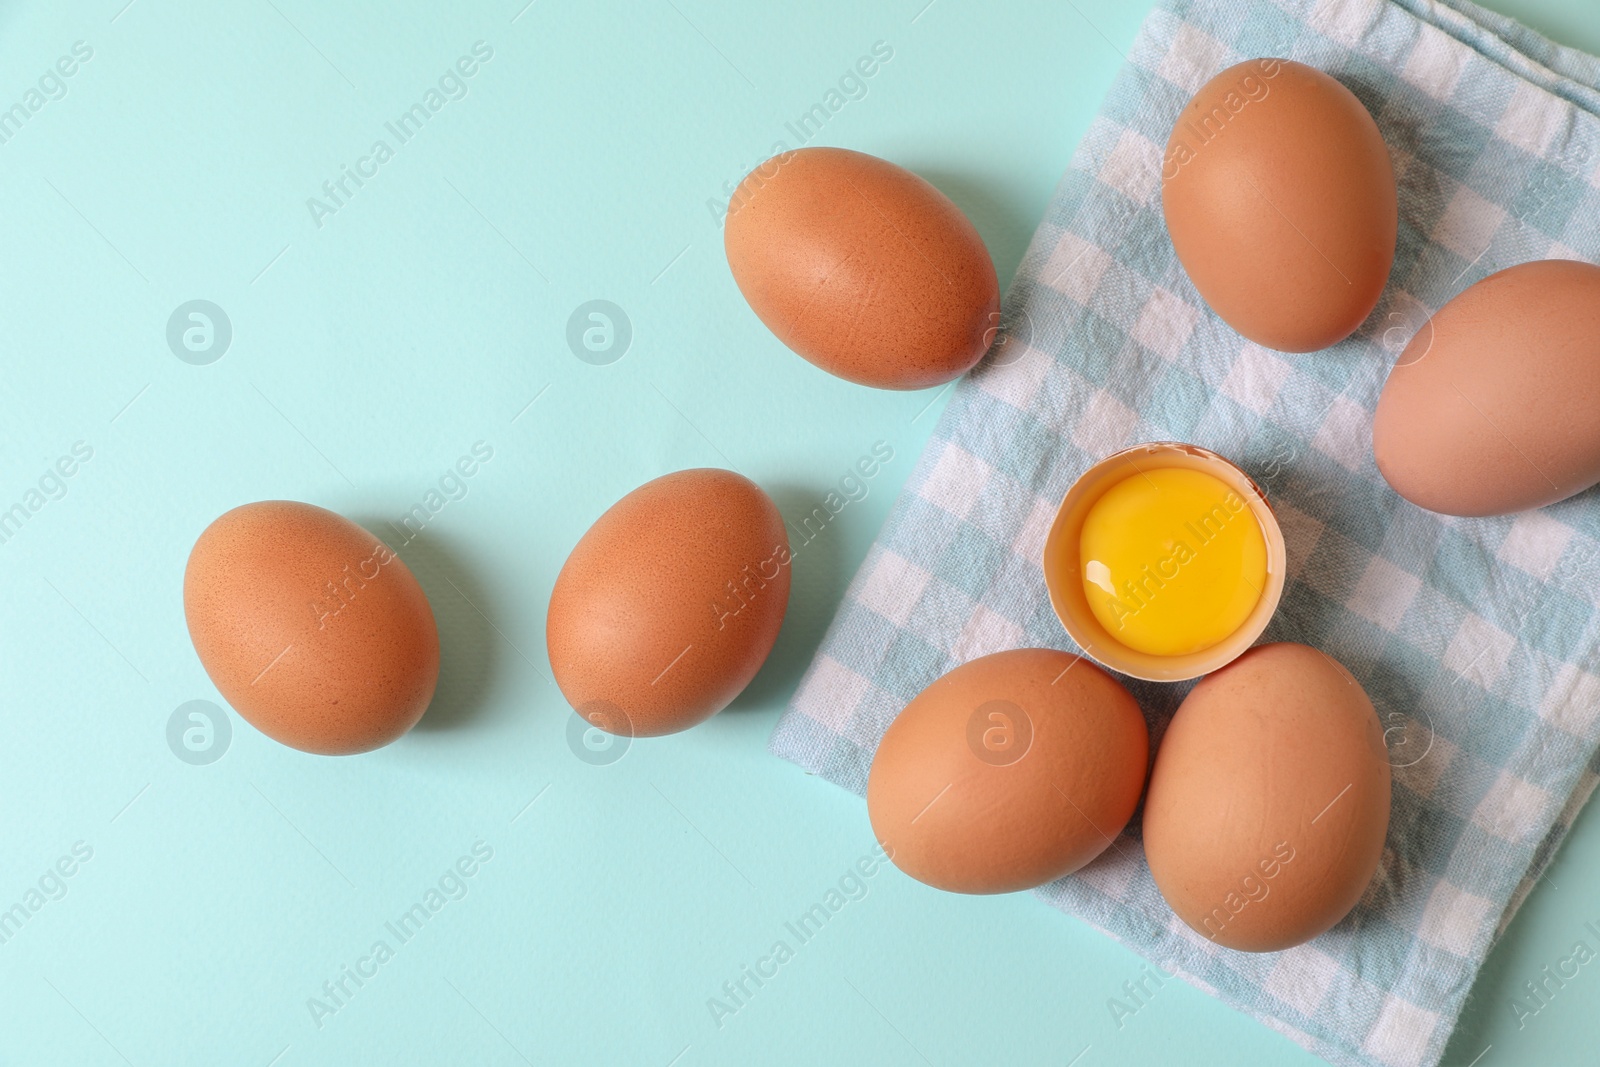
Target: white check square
[(1165, 324), (830, 693), (1436, 62), (1105, 426), (893, 587), (1075, 268), (1514, 810), (1479, 651), (1535, 543), (1193, 59), (1572, 703), (1134, 167), (1400, 1036), (1383, 594), (1255, 378), (956, 481), (1301, 978), (1468, 224), (1454, 919), (1532, 119)]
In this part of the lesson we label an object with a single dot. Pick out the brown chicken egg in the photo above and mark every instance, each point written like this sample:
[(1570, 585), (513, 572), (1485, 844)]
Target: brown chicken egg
[(1008, 772), (1269, 801), (670, 603), (863, 268), (310, 627), (1492, 407), (1280, 200)]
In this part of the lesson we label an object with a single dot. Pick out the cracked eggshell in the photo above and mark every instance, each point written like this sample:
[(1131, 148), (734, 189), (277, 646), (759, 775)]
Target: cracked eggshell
[(669, 604), (863, 268), (1491, 408), (310, 627), (1269, 802), (1008, 772)]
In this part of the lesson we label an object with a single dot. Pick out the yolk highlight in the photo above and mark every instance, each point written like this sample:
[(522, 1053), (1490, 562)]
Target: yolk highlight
[(1173, 561)]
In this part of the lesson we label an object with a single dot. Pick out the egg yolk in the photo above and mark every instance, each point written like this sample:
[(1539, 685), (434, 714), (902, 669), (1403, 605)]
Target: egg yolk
[(1174, 560)]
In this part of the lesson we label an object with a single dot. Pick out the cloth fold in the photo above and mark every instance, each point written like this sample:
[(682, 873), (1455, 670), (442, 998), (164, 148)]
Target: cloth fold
[(1477, 639)]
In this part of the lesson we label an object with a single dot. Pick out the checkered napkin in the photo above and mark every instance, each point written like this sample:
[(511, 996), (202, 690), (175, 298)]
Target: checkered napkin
[(1477, 639)]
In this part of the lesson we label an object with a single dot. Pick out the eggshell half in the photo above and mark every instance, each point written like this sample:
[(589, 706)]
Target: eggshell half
[(862, 267), (670, 603), (1494, 405), (1280, 200), (310, 627), (1008, 772), (1269, 801)]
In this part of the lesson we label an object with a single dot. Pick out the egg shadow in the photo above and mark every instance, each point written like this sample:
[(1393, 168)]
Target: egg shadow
[(469, 649), (817, 581), (1005, 229)]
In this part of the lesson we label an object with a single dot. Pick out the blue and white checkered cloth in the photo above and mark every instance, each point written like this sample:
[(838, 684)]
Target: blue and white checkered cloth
[(1478, 639)]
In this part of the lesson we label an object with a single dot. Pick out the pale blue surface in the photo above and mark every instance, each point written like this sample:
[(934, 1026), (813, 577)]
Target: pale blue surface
[(383, 346)]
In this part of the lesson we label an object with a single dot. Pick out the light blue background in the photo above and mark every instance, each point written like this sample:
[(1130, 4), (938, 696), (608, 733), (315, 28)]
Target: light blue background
[(367, 355)]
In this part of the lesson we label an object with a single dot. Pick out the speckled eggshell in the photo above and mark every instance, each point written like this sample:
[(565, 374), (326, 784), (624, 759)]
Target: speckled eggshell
[(1269, 801), (670, 603), (310, 627), (862, 267), (1281, 204), (1494, 405), (1008, 772)]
